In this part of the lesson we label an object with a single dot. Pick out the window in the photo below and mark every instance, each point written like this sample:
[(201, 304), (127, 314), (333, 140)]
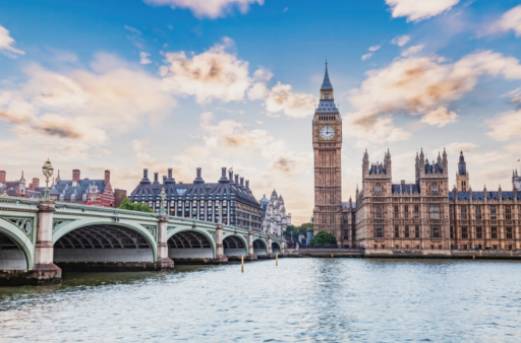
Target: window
[(435, 232), (478, 212), (434, 188), (463, 213), (406, 211), (396, 231), (379, 231), (434, 212), (508, 213), (406, 232), (464, 232), (452, 232), (416, 211), (493, 232), (417, 231), (377, 189), (396, 212), (509, 232), (379, 211), (493, 212), (479, 232)]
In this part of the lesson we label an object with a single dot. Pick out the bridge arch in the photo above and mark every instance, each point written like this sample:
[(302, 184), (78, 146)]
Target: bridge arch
[(191, 243), (104, 241), (275, 247), (260, 247), (235, 245), (13, 260)]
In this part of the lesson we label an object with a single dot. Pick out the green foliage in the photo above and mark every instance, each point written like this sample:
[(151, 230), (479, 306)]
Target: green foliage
[(134, 206), (323, 239)]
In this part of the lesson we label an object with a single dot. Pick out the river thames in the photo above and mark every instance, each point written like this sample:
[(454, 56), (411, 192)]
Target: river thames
[(301, 300)]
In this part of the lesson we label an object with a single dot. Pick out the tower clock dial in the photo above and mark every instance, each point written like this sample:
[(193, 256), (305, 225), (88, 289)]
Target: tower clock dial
[(327, 132)]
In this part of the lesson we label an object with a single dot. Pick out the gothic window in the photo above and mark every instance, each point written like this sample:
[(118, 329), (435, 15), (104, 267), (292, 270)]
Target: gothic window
[(493, 232), (479, 232), (379, 231), (377, 189), (464, 232), (416, 211), (451, 232), (463, 212), (509, 232), (434, 212), (406, 232), (396, 231), (417, 231), (493, 212), (435, 232), (406, 211), (508, 213), (434, 188), (396, 212), (478, 213), (379, 212)]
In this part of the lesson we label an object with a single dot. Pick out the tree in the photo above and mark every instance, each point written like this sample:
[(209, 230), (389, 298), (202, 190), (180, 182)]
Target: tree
[(323, 239), (134, 206)]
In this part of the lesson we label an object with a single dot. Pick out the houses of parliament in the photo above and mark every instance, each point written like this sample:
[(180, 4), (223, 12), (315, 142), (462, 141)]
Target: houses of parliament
[(424, 217)]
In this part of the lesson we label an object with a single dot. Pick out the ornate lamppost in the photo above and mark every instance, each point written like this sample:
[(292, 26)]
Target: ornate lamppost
[(47, 170)]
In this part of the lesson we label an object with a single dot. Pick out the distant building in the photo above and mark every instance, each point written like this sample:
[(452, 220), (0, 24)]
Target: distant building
[(85, 191), (228, 201), (275, 220), (119, 196)]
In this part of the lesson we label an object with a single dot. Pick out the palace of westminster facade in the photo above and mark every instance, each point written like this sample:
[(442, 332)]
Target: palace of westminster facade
[(424, 217)]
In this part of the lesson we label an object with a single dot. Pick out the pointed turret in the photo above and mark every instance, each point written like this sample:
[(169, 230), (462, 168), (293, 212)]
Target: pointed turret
[(326, 90), (462, 176)]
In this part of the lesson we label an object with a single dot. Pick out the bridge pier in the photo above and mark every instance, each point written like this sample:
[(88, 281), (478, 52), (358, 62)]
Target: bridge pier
[(44, 270), (219, 246), (251, 250), (163, 261), (269, 248)]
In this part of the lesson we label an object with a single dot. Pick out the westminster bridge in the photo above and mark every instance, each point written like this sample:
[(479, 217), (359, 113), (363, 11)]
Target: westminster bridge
[(39, 238)]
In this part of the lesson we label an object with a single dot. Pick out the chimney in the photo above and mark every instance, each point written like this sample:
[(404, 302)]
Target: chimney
[(247, 184), (236, 179), (242, 181), (170, 173), (145, 173), (2, 176), (230, 175), (223, 178), (156, 177), (76, 174), (107, 176), (35, 183), (198, 172)]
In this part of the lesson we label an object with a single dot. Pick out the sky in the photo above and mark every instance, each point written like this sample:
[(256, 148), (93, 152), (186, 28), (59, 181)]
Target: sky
[(155, 84)]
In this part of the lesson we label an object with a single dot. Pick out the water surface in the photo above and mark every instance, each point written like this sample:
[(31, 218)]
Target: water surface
[(304, 300)]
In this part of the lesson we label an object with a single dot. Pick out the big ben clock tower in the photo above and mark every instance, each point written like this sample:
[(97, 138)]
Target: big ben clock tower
[(327, 148)]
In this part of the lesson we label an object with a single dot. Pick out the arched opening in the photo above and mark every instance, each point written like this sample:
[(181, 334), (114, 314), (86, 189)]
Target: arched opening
[(275, 247), (234, 246), (259, 248), (190, 246), (12, 257), (103, 246)]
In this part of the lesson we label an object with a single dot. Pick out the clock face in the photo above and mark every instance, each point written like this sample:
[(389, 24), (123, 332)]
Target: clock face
[(327, 132)]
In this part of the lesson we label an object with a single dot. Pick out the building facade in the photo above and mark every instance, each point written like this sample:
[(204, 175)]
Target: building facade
[(228, 201), (327, 152), (275, 219), (78, 190), (418, 218)]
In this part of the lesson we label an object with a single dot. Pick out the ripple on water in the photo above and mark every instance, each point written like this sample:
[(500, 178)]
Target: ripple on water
[(304, 300)]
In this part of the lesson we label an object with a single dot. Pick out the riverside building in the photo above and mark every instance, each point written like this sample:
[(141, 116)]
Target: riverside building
[(417, 218)]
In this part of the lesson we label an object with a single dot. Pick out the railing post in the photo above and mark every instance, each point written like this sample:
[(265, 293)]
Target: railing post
[(44, 269), (251, 250), (163, 261), (219, 246)]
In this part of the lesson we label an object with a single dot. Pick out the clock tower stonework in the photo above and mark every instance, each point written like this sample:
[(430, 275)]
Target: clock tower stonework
[(327, 148)]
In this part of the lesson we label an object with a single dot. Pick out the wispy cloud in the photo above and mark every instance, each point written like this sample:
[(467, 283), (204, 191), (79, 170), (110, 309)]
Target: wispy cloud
[(7, 43), (415, 10), (370, 52), (509, 21), (401, 41), (208, 8)]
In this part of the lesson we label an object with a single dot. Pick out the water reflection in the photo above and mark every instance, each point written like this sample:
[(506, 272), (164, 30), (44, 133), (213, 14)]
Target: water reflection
[(305, 300)]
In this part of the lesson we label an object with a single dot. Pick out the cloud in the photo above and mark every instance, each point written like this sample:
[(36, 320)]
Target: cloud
[(509, 21), (281, 98), (208, 8), (144, 58), (84, 104), (401, 41), (219, 74), (515, 96), (413, 50), (416, 86), (370, 52), (7, 43), (440, 117), (415, 10), (505, 126)]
